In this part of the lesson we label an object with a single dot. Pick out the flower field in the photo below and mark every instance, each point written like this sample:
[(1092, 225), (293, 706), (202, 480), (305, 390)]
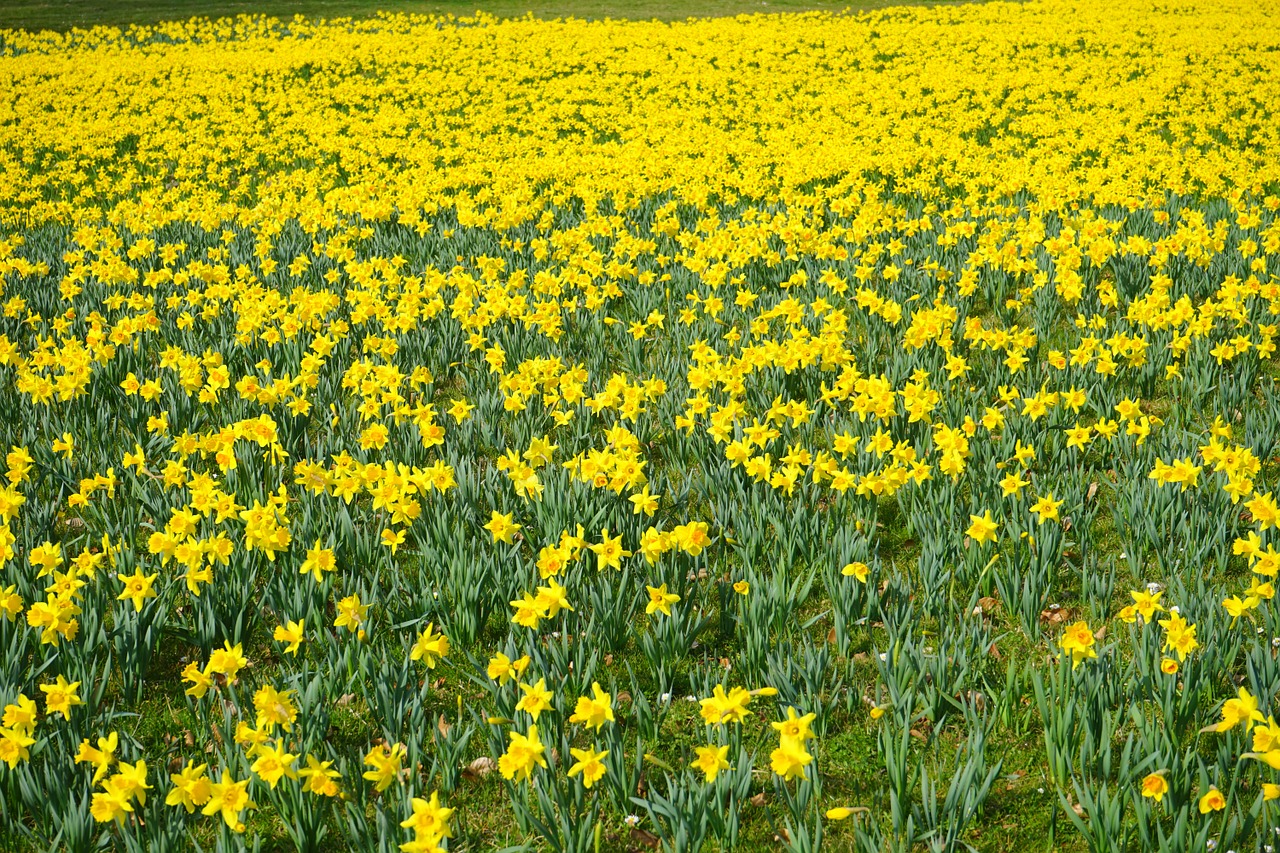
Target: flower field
[(855, 432)]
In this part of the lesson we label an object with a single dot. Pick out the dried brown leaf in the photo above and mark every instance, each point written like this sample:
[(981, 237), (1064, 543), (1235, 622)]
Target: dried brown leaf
[(644, 837), (480, 768)]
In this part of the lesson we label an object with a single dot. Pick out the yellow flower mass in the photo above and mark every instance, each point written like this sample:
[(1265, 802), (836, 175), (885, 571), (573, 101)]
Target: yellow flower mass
[(664, 415)]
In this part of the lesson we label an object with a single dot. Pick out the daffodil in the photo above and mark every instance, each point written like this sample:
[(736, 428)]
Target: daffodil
[(137, 588), (660, 600), (291, 634), (595, 710), (523, 754), (191, 788), (1078, 641), (981, 528), (711, 760), (430, 646), (230, 799), (61, 696), (1154, 786), (590, 764)]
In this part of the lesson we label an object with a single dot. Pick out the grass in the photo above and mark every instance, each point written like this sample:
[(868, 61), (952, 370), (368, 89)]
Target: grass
[(66, 14)]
